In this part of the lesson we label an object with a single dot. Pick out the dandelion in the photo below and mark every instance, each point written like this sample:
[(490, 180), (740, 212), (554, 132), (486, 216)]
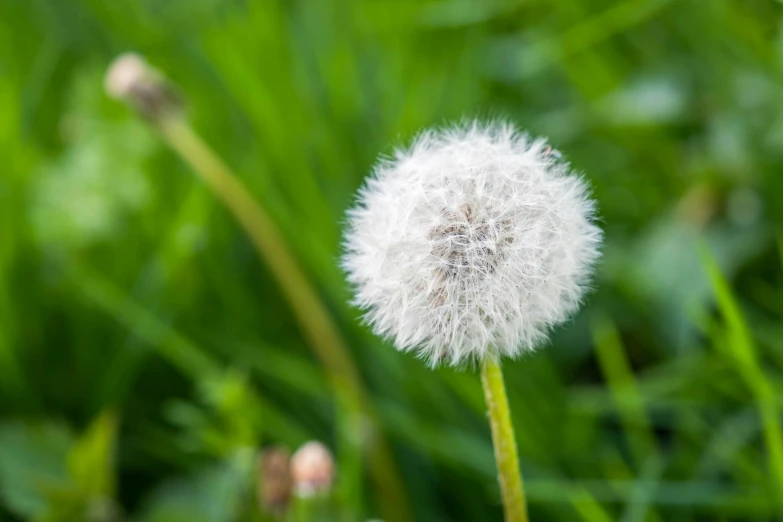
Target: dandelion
[(312, 469), (274, 485), (470, 245), (130, 78)]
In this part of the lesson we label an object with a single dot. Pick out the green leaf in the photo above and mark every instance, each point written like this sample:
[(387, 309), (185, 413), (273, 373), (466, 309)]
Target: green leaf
[(214, 494), (32, 465), (91, 460)]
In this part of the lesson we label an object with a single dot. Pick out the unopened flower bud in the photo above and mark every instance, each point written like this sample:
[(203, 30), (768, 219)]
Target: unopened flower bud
[(274, 488), (131, 79), (312, 469)]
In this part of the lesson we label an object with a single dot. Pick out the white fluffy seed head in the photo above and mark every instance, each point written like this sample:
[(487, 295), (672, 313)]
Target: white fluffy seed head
[(472, 243)]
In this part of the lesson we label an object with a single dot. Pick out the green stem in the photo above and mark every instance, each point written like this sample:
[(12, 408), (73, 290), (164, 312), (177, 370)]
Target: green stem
[(506, 458), (310, 312)]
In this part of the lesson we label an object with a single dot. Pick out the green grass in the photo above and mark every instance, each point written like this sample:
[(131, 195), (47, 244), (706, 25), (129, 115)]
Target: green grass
[(146, 353)]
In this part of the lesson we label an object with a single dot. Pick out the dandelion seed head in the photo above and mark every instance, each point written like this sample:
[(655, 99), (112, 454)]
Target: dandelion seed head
[(472, 243), (131, 79), (312, 469), (124, 75)]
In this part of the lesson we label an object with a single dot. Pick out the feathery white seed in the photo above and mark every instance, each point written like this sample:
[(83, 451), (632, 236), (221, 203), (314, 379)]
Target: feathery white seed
[(472, 243)]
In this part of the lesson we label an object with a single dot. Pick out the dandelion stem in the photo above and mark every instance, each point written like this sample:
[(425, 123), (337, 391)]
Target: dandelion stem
[(310, 312), (506, 459)]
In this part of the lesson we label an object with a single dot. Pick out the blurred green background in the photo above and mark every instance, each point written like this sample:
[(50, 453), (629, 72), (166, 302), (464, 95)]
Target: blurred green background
[(146, 354)]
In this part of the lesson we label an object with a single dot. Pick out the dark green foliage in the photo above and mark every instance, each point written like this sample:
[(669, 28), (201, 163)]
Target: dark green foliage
[(146, 353)]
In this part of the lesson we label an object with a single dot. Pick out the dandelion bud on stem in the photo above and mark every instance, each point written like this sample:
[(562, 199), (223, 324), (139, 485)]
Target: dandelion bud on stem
[(130, 79), (274, 484), (312, 469)]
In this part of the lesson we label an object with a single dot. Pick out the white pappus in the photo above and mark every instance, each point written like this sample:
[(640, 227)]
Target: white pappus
[(473, 242)]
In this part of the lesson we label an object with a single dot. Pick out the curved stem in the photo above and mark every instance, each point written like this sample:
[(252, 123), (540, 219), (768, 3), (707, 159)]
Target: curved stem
[(308, 308), (506, 458)]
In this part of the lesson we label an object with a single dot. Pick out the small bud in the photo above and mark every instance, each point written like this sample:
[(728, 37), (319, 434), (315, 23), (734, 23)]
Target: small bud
[(131, 79), (124, 74), (312, 469), (274, 488)]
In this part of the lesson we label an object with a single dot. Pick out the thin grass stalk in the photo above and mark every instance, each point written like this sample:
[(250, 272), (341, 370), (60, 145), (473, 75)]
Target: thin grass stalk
[(622, 385), (743, 350), (587, 507)]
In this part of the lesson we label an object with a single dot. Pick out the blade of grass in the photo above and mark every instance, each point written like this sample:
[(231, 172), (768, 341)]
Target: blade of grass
[(179, 351), (693, 494), (641, 498), (592, 31), (743, 350), (588, 507), (622, 385), (780, 249), (183, 355), (12, 382)]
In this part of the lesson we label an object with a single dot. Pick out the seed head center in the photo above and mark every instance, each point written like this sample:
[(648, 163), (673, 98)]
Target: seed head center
[(469, 243)]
